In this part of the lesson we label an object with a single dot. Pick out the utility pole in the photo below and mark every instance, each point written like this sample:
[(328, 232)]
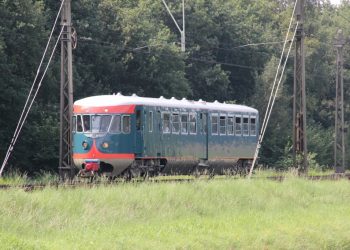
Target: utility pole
[(182, 31), (299, 98), (339, 140), (66, 94)]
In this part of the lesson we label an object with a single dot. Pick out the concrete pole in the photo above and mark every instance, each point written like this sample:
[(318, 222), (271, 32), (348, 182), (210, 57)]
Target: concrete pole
[(299, 100), (339, 140)]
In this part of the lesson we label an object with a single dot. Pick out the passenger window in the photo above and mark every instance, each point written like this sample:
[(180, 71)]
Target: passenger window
[(184, 123), (166, 123), (238, 129), (214, 124), (230, 123), (79, 124), (138, 120), (150, 122), (193, 125), (222, 125), (74, 123), (115, 126), (87, 123), (176, 123), (253, 126), (245, 126), (126, 124)]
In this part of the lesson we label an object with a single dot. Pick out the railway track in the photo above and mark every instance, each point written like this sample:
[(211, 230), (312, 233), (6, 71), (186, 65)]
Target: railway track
[(78, 184), (32, 187)]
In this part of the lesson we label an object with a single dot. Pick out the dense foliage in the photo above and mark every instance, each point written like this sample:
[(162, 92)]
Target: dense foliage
[(132, 46)]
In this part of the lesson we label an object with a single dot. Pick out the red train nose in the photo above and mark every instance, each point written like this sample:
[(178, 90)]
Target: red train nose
[(92, 166)]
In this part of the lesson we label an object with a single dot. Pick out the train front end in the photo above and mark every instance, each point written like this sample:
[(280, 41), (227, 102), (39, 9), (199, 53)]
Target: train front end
[(102, 136)]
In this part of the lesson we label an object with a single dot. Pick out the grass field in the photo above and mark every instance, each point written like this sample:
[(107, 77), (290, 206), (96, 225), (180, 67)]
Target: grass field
[(217, 214)]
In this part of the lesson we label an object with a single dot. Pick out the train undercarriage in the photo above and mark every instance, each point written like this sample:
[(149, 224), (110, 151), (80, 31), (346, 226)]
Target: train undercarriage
[(145, 168)]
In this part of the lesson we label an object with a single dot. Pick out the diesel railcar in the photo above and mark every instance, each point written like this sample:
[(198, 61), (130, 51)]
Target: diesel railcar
[(132, 136)]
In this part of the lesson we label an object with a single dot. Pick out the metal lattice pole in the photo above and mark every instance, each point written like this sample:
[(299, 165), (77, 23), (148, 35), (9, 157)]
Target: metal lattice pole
[(339, 140), (299, 100), (66, 94)]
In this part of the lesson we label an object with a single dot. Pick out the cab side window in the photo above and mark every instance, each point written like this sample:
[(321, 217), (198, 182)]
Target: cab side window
[(116, 124), (79, 124), (126, 124), (74, 124), (87, 123)]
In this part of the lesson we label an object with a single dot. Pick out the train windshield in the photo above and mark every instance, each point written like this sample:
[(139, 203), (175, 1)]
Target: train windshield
[(100, 123)]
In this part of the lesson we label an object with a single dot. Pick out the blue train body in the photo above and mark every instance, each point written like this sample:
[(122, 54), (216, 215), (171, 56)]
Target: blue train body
[(133, 136)]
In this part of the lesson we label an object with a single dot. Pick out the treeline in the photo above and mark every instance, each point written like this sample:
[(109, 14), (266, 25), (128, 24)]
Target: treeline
[(132, 46)]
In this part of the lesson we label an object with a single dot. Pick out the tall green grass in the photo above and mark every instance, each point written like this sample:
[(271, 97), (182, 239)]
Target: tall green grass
[(14, 178), (217, 214)]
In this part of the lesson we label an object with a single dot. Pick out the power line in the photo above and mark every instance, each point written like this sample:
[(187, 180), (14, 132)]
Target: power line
[(26, 110), (274, 90), (224, 63), (115, 46), (254, 45), (89, 39), (205, 61), (140, 49)]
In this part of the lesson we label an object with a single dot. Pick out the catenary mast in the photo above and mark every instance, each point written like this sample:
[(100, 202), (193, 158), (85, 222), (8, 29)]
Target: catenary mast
[(66, 94)]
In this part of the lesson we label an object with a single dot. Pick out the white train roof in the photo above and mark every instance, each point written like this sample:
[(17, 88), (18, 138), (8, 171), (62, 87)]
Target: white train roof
[(119, 99)]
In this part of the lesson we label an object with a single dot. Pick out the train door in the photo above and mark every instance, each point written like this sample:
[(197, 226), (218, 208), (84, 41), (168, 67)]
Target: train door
[(139, 131), (159, 132), (203, 135)]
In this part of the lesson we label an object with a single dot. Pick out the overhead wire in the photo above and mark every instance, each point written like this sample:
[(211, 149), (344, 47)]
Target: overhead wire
[(106, 44), (26, 108), (274, 91), (140, 48), (206, 61), (223, 63), (279, 82), (254, 45)]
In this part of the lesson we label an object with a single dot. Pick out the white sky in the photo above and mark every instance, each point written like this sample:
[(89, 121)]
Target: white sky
[(335, 1)]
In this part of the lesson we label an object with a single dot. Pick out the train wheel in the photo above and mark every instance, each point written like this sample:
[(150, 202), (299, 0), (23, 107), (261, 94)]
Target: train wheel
[(146, 175), (211, 173), (196, 172)]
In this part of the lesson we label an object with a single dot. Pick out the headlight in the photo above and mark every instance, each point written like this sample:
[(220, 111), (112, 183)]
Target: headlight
[(85, 144), (105, 145)]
